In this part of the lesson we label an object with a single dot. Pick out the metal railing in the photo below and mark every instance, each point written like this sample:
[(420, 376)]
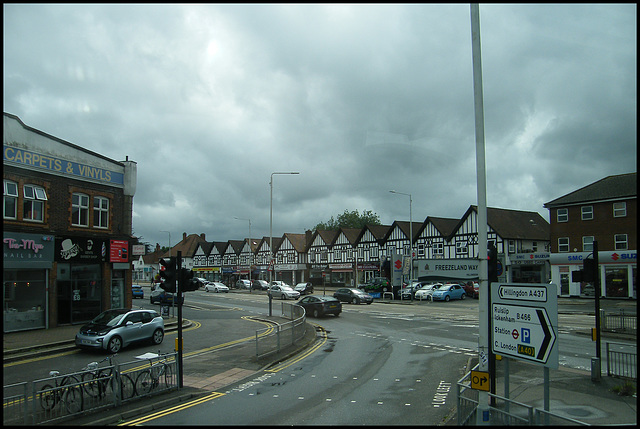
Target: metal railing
[(619, 322), (275, 338), (621, 361), (63, 396), (505, 411)]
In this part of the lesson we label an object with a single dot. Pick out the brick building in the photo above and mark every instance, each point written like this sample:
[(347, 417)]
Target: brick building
[(67, 225)]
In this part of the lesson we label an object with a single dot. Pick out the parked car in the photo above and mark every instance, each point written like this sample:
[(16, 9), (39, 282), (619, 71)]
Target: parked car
[(318, 305), (426, 291), (448, 292), (160, 296), (260, 285), (137, 291), (243, 284), (114, 329), (378, 284), (410, 291), (471, 289), (354, 296), (304, 288), (589, 290), (284, 292), (216, 287)]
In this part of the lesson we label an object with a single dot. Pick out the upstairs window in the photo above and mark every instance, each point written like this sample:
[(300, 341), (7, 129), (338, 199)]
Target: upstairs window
[(101, 212), (563, 244), (461, 248), (587, 243), (621, 242), (79, 210), (587, 212), (563, 215), (620, 209), (438, 248), (33, 204), (10, 197)]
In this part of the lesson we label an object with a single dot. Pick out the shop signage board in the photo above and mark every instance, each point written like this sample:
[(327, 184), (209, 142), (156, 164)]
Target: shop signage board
[(524, 322)]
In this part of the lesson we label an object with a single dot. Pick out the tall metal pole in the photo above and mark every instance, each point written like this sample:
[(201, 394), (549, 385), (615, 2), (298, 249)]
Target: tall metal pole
[(483, 307), (250, 250), (180, 288), (272, 265), (410, 235)]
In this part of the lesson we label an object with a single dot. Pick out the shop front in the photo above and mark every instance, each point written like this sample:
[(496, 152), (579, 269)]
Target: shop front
[(78, 290), (27, 262), (529, 268), (291, 274), (617, 273)]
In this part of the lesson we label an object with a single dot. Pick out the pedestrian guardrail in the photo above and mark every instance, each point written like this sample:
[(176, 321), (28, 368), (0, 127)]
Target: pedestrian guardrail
[(504, 411), (622, 360), (619, 322), (63, 396), (275, 338)]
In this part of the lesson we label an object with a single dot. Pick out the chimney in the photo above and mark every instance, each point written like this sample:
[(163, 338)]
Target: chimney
[(202, 236), (184, 236)]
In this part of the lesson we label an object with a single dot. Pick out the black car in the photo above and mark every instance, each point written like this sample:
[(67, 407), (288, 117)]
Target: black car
[(318, 305), (354, 296), (304, 288), (260, 285)]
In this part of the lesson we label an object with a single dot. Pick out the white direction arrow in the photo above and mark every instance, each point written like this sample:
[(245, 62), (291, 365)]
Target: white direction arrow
[(522, 332), (536, 293)]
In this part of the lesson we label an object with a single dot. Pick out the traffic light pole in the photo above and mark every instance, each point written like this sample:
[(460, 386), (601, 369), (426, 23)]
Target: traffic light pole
[(179, 288)]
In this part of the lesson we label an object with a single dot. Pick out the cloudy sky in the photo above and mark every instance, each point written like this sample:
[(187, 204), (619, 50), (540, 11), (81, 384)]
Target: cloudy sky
[(209, 100)]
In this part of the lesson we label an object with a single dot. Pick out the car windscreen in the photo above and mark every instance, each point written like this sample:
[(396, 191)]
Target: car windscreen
[(109, 317)]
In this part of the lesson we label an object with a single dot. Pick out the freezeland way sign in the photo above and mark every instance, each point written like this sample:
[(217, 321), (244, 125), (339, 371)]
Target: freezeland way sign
[(524, 322)]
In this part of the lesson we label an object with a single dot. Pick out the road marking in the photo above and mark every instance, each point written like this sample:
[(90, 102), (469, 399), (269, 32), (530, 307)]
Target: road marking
[(304, 355), (213, 395)]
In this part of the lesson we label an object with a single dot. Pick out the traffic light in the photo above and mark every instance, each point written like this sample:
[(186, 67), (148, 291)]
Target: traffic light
[(493, 263), (189, 284), (168, 275)]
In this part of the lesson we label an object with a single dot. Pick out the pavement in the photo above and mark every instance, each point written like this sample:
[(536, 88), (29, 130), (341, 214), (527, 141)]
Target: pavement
[(572, 393)]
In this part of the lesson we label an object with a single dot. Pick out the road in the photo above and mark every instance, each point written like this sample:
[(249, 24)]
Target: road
[(375, 364)]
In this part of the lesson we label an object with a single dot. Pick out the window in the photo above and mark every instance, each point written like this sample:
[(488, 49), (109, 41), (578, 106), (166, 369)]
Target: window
[(621, 241), (461, 248), (438, 248), (374, 252), (563, 244), (33, 204), (512, 246), (620, 209), (534, 246), (587, 212), (79, 210), (100, 212), (587, 243), (563, 215), (421, 250), (10, 194), (337, 255)]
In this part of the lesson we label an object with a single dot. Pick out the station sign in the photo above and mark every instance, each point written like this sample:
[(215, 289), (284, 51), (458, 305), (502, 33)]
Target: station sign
[(524, 322)]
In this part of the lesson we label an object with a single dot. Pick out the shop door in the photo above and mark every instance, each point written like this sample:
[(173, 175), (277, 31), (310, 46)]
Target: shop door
[(117, 289), (79, 297)]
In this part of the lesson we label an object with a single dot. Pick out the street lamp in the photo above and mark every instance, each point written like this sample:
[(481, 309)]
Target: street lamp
[(410, 236), (250, 250), (272, 266)]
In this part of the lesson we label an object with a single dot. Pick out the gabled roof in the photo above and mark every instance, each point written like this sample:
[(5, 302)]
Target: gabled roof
[(298, 241), (153, 257), (513, 224), (379, 231), (352, 234), (236, 245), (187, 246), (327, 235), (446, 226), (206, 247), (611, 187), (405, 228)]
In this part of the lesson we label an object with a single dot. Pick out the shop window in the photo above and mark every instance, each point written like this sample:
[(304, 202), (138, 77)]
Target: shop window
[(563, 244), (33, 203), (10, 197), (79, 210), (587, 212), (620, 209), (101, 212), (587, 243), (621, 242), (563, 215)]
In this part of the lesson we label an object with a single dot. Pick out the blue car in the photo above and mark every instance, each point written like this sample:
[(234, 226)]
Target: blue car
[(448, 292), (137, 291)]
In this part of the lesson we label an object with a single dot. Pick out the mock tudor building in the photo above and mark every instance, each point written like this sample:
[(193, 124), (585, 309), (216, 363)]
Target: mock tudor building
[(66, 230)]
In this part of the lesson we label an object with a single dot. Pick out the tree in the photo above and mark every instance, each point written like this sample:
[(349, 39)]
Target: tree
[(349, 219)]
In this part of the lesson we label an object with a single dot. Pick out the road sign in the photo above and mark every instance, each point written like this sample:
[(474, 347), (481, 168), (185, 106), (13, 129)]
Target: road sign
[(480, 380), (524, 322)]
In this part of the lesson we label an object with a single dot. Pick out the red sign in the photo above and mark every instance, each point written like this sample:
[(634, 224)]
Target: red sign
[(398, 264), (119, 251)]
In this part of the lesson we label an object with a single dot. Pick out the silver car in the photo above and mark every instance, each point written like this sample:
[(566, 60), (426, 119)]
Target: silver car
[(114, 329), (284, 292)]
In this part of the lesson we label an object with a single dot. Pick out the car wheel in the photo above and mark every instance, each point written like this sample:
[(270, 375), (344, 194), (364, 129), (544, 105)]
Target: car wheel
[(157, 337), (464, 295), (368, 303), (115, 344), (316, 313), (446, 298), (354, 301), (337, 314)]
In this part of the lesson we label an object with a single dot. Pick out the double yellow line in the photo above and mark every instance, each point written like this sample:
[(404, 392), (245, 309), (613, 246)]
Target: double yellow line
[(172, 410)]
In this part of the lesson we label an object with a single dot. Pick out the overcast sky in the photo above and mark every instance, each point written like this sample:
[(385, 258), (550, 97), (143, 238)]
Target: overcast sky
[(209, 100)]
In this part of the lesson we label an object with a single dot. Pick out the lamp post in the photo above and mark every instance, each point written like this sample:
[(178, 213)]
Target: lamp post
[(410, 235), (173, 300), (250, 249), (271, 264)]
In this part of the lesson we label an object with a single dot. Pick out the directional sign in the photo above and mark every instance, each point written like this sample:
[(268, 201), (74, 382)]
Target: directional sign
[(522, 332), (480, 380), (524, 322), (524, 292)]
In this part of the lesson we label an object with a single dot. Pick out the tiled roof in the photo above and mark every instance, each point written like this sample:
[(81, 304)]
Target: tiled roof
[(298, 241), (446, 226), (611, 187)]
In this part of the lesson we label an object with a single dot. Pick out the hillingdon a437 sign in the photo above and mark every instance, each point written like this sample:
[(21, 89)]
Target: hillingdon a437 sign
[(524, 322)]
